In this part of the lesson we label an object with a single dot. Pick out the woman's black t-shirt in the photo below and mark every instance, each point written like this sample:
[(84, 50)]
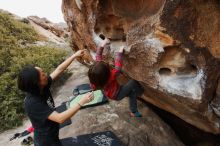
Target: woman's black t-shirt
[(38, 108)]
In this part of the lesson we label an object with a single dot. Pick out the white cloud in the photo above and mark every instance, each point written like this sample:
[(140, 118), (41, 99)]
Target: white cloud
[(51, 9)]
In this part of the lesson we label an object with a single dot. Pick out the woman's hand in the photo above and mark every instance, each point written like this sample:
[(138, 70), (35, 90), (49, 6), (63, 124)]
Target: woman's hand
[(79, 53), (59, 70), (87, 98), (62, 117)]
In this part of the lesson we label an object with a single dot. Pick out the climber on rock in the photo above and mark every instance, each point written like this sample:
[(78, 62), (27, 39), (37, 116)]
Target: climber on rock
[(102, 77)]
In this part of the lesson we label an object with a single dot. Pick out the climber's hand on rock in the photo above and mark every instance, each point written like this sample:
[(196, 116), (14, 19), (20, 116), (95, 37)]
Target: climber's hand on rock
[(105, 42), (121, 49)]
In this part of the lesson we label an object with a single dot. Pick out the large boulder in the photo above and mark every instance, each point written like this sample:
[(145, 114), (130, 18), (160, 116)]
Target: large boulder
[(173, 49)]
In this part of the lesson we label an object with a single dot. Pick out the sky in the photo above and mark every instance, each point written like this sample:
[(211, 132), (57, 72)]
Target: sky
[(51, 9)]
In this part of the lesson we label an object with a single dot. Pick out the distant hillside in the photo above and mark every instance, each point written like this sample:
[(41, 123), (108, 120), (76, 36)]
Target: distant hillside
[(53, 32), (19, 47)]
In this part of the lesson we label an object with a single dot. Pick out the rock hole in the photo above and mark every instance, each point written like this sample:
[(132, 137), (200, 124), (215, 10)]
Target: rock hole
[(165, 71), (193, 67), (102, 36)]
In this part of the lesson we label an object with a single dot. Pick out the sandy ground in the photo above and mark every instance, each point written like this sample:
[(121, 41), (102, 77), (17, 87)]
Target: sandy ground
[(79, 76)]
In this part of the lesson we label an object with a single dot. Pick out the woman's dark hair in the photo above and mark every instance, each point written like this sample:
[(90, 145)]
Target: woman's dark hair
[(99, 74), (28, 80)]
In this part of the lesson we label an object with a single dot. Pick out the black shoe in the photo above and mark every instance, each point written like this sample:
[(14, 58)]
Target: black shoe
[(27, 141), (16, 135)]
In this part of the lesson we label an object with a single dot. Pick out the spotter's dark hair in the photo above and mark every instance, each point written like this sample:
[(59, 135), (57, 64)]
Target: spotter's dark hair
[(28, 80)]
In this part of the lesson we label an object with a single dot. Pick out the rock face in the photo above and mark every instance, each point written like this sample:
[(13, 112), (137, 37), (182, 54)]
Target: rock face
[(173, 49), (57, 29), (215, 103), (50, 33), (149, 130)]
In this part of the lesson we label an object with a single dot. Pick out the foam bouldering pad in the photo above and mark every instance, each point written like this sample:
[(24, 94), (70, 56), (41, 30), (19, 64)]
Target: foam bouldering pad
[(106, 138), (99, 99), (60, 109)]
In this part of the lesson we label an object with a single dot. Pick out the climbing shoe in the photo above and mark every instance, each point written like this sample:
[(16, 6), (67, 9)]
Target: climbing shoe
[(135, 114), (16, 135)]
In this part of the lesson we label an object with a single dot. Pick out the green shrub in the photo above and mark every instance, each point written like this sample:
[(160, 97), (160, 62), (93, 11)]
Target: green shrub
[(11, 29), (13, 56)]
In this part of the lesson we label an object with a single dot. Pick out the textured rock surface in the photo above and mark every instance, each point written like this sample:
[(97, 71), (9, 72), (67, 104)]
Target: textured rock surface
[(146, 131), (172, 49), (215, 104), (57, 29), (50, 34)]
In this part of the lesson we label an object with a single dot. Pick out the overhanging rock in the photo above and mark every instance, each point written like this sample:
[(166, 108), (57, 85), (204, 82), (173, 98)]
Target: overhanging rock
[(173, 49)]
